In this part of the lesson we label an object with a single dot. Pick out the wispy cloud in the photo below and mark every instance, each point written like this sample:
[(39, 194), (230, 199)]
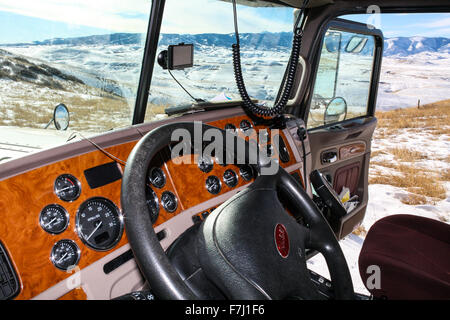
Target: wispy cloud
[(200, 16), (193, 16), (440, 23), (113, 15)]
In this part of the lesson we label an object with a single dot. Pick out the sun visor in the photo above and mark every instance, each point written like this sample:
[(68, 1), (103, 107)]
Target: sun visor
[(280, 3), (311, 4)]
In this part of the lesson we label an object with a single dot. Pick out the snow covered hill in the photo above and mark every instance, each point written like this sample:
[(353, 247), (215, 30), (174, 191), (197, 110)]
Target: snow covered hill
[(398, 46), (403, 46)]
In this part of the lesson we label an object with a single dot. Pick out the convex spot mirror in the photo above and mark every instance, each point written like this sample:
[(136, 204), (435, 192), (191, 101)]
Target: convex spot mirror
[(61, 117), (333, 41), (356, 44), (335, 111)]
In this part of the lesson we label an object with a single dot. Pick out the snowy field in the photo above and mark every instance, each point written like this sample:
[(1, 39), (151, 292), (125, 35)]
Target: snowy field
[(405, 80)]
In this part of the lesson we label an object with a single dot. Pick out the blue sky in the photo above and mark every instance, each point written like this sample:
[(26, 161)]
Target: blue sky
[(407, 25), (31, 20)]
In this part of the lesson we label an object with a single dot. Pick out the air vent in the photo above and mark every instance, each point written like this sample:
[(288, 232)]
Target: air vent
[(9, 284)]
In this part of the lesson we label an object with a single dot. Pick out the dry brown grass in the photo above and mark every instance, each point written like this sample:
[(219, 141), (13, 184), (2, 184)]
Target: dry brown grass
[(416, 180), (419, 182), (424, 185), (407, 155), (434, 117), (153, 110), (445, 175), (377, 153), (90, 109)]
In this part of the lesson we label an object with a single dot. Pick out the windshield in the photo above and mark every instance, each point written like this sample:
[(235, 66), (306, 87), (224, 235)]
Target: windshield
[(265, 39), (84, 54), (87, 55)]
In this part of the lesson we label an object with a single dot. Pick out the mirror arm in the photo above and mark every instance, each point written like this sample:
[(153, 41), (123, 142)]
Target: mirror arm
[(49, 123)]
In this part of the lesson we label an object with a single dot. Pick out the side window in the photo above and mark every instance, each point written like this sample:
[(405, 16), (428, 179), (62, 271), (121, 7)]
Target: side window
[(342, 86)]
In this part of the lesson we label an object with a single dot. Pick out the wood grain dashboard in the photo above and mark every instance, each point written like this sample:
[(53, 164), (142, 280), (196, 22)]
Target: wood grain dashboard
[(24, 196)]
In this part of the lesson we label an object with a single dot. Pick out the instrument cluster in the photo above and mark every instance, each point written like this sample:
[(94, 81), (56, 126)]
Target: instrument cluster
[(98, 223)]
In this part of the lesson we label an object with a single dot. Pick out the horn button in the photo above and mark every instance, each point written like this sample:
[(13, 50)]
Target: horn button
[(250, 244)]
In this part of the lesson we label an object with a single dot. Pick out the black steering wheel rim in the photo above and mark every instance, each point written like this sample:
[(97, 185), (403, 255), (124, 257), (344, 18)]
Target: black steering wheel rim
[(150, 256)]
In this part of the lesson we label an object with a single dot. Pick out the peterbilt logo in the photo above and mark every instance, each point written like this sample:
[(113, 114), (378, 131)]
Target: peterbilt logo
[(282, 240)]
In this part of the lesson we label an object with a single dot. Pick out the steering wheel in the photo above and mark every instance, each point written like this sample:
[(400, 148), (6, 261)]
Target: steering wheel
[(249, 247)]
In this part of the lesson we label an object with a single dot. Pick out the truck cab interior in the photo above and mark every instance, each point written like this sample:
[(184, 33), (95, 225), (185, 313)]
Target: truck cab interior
[(223, 199)]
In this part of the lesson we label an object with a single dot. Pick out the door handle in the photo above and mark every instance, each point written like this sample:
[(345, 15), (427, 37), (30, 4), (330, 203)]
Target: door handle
[(329, 157)]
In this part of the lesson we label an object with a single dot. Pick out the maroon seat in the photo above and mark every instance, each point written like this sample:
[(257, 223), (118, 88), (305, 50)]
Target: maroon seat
[(413, 254)]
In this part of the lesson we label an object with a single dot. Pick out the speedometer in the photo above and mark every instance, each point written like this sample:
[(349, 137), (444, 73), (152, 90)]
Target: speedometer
[(99, 223)]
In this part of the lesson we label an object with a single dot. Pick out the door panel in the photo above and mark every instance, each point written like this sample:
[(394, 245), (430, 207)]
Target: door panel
[(340, 113), (351, 142)]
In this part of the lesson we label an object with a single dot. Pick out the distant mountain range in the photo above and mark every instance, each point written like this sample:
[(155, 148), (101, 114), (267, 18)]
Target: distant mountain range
[(403, 46), (400, 46)]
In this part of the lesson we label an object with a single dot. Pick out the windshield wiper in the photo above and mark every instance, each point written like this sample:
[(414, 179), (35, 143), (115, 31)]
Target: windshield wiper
[(201, 106)]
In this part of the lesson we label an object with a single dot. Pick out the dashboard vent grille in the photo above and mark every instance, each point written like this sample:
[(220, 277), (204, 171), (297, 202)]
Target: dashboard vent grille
[(9, 284)]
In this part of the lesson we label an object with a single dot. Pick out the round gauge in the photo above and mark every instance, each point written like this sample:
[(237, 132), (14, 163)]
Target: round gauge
[(65, 254), (169, 201), (246, 172), (205, 163), (283, 151), (54, 219), (157, 177), (245, 126), (67, 187), (213, 184), (152, 203), (230, 127), (99, 223), (230, 178)]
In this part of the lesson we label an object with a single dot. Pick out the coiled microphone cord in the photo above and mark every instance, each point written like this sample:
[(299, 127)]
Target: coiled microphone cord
[(279, 107)]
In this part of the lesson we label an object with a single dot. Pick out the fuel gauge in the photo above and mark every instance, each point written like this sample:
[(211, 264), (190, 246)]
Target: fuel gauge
[(67, 187)]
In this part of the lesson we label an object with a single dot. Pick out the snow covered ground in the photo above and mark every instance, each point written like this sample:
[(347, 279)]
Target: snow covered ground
[(385, 200), (405, 80)]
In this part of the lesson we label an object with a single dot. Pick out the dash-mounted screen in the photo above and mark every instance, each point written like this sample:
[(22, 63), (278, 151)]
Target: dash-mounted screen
[(181, 56)]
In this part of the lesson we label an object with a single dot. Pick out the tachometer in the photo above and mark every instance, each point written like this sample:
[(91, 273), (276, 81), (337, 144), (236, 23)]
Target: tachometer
[(54, 219), (65, 254), (67, 187), (99, 223)]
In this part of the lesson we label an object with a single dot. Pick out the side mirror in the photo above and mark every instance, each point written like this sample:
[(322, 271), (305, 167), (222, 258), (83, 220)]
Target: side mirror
[(335, 111), (60, 117), (356, 44)]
